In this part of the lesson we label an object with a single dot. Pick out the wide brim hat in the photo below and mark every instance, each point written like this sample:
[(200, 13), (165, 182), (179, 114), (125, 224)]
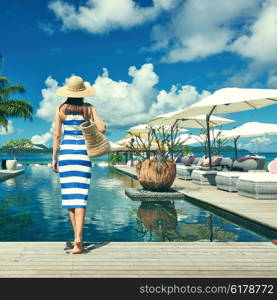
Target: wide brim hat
[(76, 88)]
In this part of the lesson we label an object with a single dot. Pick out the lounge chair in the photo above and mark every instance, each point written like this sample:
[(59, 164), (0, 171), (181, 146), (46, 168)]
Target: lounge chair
[(227, 181), (258, 185), (184, 170), (261, 185), (219, 164)]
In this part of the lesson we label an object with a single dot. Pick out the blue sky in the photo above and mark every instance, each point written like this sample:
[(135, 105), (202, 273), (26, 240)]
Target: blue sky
[(145, 58)]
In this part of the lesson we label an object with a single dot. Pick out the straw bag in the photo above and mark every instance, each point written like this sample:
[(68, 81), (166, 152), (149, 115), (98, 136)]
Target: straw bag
[(96, 142)]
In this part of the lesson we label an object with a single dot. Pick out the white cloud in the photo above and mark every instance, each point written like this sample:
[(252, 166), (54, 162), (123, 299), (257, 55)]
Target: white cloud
[(50, 100), (10, 129), (44, 139), (258, 144), (259, 43), (259, 46), (201, 28), (122, 103), (106, 15)]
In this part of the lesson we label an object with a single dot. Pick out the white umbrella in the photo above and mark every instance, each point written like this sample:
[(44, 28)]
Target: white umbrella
[(127, 141), (116, 147), (170, 119), (145, 128), (249, 129), (189, 139), (229, 100)]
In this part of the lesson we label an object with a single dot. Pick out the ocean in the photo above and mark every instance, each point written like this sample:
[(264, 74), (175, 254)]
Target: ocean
[(46, 158)]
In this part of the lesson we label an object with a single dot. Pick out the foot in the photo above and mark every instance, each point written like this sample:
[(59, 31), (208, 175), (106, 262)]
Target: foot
[(78, 248)]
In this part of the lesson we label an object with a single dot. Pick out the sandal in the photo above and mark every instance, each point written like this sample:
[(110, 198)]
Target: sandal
[(78, 248), (69, 245)]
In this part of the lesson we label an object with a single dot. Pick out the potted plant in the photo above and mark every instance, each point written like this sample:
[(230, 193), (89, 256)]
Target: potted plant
[(157, 172), (115, 158), (17, 146)]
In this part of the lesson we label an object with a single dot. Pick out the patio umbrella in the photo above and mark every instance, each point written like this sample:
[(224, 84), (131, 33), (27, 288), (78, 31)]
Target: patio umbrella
[(116, 147), (189, 139), (126, 142), (198, 121), (145, 128), (249, 129), (229, 100)]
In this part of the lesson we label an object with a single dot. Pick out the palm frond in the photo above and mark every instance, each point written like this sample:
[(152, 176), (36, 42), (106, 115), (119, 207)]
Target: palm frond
[(16, 109), (11, 90), (4, 122), (4, 82)]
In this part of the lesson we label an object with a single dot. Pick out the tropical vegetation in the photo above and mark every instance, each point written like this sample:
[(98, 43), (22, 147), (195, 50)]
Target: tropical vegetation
[(10, 107)]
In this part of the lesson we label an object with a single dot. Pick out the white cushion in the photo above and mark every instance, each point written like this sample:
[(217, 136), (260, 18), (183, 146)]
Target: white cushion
[(229, 174), (205, 171), (259, 177)]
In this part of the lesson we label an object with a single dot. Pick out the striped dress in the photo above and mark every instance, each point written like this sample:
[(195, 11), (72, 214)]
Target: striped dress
[(74, 164)]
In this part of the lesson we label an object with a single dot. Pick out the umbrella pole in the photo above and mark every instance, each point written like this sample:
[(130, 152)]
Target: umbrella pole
[(209, 137), (235, 146)]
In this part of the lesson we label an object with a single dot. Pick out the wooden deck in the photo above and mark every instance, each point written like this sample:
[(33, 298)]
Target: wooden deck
[(139, 259), (263, 213), (6, 174)]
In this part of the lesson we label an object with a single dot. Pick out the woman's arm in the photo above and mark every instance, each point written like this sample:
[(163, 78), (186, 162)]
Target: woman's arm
[(56, 140), (98, 121)]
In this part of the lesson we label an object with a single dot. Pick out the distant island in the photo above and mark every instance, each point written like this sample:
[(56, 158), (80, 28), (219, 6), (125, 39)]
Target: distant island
[(226, 149)]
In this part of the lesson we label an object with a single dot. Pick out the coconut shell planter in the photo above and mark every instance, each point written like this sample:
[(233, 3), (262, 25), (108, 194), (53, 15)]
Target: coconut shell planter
[(156, 176)]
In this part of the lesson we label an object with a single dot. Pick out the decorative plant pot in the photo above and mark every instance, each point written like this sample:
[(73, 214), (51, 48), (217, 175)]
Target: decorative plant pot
[(155, 176), (11, 164)]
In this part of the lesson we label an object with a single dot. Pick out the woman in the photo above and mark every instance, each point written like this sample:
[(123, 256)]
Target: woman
[(73, 163)]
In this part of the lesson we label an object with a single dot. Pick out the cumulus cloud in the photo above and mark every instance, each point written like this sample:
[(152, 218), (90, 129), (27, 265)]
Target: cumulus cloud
[(122, 103), (10, 129), (259, 144), (44, 139), (258, 43), (50, 100), (106, 15), (259, 46), (201, 28)]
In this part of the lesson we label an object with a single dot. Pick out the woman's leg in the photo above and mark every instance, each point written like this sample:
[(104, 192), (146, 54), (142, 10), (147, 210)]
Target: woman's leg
[(79, 221), (71, 213)]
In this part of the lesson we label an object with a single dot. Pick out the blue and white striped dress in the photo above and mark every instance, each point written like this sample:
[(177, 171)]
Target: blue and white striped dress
[(74, 164)]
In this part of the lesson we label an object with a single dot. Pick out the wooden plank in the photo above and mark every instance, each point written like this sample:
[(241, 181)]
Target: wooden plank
[(117, 259)]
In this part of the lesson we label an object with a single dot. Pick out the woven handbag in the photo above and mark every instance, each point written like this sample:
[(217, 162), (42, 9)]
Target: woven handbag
[(96, 142)]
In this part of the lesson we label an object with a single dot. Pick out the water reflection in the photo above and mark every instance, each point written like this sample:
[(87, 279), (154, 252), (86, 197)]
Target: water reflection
[(30, 210), (128, 182), (14, 221), (158, 221)]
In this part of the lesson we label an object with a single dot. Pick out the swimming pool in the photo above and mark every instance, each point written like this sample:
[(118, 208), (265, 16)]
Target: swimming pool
[(30, 210)]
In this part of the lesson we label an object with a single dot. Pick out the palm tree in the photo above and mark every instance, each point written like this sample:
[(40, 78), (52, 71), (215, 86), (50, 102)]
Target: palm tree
[(11, 108)]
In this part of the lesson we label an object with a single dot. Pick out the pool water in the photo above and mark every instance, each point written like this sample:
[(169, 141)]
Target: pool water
[(30, 210)]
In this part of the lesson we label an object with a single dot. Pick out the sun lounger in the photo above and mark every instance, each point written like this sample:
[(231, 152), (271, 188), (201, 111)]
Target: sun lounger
[(185, 172), (227, 181), (258, 185), (204, 177)]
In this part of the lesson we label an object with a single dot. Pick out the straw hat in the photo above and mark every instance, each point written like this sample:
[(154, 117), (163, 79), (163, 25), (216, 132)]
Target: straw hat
[(76, 88)]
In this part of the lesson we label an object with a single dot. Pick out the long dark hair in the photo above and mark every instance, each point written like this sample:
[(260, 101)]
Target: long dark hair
[(74, 106)]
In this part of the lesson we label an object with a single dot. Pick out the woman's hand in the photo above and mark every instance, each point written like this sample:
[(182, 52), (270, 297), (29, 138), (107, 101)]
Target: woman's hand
[(55, 165)]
